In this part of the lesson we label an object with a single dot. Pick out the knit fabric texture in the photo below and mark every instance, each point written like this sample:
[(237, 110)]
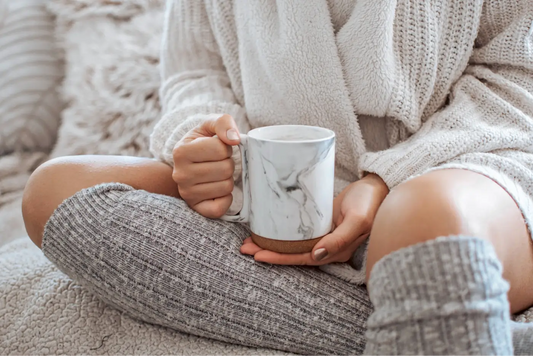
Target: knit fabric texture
[(30, 73), (156, 259), (522, 338), (452, 79), (442, 297)]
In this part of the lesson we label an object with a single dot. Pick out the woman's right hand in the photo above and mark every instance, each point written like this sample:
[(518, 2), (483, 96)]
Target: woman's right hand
[(203, 167)]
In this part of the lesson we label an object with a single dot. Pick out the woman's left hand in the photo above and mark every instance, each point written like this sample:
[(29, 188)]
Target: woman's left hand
[(353, 215)]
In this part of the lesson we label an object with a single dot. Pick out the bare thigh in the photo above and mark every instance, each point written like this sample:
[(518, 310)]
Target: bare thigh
[(60, 178), (453, 202)]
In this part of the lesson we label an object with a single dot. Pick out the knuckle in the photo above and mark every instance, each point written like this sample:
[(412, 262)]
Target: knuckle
[(222, 149), (339, 244), (178, 152), (228, 168), (227, 186), (175, 151), (179, 176), (185, 194), (201, 210), (364, 220), (176, 177), (217, 210), (223, 118)]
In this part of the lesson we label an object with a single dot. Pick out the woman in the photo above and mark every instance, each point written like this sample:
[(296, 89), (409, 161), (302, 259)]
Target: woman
[(430, 100)]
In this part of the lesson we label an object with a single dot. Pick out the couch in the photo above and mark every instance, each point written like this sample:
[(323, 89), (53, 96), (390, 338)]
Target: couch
[(90, 88)]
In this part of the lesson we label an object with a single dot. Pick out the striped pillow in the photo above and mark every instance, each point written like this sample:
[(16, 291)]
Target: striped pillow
[(30, 71)]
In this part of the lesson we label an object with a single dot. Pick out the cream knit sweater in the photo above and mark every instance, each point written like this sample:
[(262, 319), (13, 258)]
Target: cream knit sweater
[(450, 82)]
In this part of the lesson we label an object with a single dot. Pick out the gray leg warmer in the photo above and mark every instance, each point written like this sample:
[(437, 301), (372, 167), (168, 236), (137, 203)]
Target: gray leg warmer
[(445, 296), (154, 258)]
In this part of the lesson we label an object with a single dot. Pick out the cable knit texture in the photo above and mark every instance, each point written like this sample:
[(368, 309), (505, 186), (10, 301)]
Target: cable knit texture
[(522, 338), (453, 80), (163, 263), (442, 297)]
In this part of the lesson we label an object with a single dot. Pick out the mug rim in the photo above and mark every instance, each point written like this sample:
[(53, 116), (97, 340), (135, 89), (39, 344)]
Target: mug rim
[(253, 134)]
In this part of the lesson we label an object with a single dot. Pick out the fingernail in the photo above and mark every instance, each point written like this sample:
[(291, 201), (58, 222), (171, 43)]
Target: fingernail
[(232, 134), (320, 254)]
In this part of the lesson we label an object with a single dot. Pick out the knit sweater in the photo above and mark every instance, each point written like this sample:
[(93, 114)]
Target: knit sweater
[(450, 82)]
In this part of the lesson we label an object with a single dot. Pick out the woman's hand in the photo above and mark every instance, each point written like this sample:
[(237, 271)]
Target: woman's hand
[(203, 167), (353, 215)]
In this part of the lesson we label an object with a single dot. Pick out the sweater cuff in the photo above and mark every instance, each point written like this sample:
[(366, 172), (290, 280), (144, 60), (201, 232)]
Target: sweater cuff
[(174, 125), (396, 164)]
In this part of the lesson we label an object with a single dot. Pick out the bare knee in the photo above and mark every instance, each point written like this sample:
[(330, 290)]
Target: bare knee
[(60, 178), (42, 195), (442, 203)]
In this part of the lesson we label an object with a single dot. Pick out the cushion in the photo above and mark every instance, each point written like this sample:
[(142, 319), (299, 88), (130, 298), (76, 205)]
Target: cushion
[(111, 76), (30, 71)]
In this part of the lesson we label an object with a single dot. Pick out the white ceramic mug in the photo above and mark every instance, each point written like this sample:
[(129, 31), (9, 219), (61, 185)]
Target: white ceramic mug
[(287, 173)]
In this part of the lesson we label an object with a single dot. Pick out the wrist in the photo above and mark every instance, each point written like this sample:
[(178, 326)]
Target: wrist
[(377, 182)]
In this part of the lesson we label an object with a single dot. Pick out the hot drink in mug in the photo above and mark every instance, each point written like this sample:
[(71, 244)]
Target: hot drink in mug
[(287, 173)]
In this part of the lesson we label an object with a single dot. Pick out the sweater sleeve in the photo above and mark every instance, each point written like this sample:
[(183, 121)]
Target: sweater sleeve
[(488, 124), (195, 85)]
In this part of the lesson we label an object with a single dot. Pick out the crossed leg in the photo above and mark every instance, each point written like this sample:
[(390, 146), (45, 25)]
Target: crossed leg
[(440, 203), (457, 202)]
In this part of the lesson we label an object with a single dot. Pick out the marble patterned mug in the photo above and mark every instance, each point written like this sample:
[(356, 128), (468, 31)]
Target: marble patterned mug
[(287, 174)]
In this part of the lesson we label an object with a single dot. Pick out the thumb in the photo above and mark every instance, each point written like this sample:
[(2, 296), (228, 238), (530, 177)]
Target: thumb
[(224, 127), (341, 239)]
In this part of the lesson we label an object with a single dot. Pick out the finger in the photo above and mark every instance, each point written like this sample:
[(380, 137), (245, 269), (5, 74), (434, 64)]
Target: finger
[(337, 216), (249, 247), (224, 127), (339, 240), (345, 255), (206, 191), (208, 172), (304, 258), (297, 259), (215, 208), (205, 149)]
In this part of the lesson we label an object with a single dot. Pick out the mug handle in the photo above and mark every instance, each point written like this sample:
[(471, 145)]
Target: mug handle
[(244, 214)]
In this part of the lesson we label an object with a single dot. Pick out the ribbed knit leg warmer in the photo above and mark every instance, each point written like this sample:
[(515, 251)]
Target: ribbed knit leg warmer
[(445, 296), (522, 338), (154, 258)]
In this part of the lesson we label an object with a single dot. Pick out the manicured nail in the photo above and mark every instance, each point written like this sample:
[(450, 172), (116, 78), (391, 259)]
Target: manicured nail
[(320, 254), (232, 134)]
